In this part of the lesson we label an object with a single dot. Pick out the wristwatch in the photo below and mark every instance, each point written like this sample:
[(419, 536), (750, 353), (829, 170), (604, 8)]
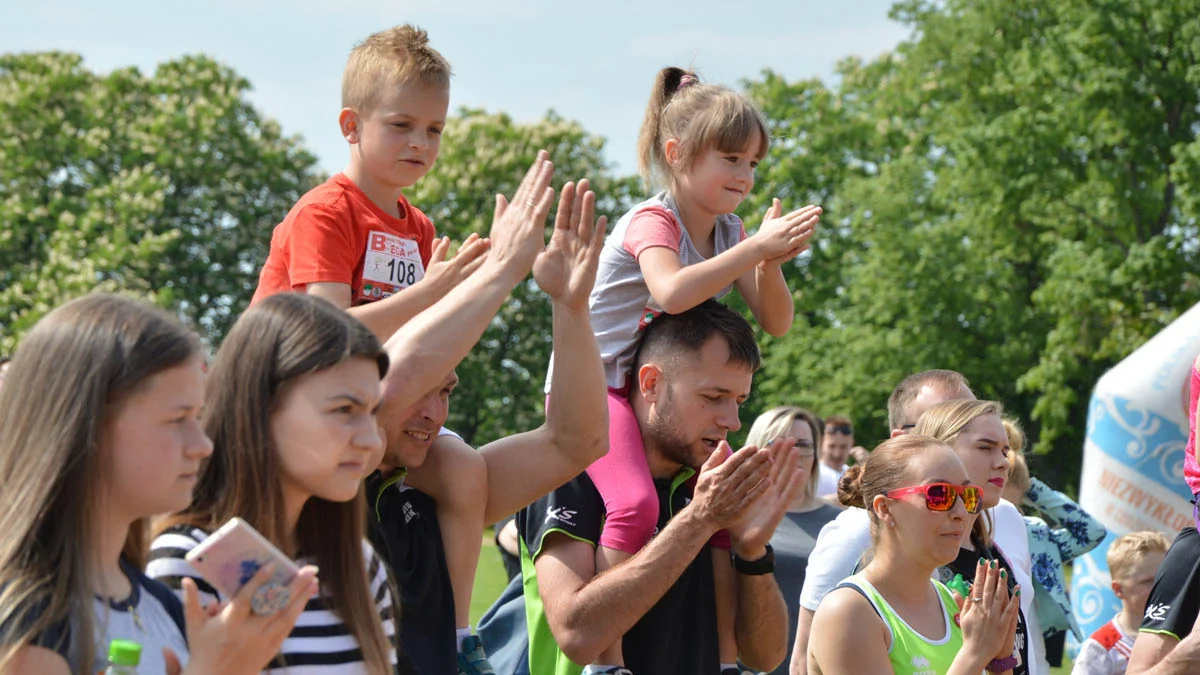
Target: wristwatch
[(764, 565)]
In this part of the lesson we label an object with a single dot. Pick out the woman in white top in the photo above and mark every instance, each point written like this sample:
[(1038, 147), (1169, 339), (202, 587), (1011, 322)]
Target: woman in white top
[(291, 410)]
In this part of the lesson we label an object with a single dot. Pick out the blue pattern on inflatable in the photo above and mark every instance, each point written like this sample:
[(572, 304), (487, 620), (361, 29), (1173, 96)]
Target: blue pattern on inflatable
[(1148, 444)]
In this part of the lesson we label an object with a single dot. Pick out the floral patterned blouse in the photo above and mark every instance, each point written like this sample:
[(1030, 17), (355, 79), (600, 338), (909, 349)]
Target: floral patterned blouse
[(1070, 533)]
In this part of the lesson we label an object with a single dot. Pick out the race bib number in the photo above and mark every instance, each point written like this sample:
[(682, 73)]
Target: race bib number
[(391, 264)]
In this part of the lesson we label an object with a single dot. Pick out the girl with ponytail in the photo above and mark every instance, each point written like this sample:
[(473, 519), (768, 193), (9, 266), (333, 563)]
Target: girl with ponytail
[(700, 144)]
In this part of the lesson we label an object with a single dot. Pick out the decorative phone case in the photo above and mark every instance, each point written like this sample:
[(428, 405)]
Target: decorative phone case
[(230, 557)]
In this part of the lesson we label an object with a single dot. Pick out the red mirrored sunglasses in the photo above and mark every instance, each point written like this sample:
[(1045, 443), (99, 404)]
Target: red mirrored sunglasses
[(942, 496)]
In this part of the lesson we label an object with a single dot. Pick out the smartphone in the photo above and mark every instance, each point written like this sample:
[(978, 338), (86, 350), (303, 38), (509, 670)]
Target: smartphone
[(230, 557)]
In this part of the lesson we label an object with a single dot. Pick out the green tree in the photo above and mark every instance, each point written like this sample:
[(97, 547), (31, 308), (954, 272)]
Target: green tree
[(165, 186), (1011, 194), (484, 154)]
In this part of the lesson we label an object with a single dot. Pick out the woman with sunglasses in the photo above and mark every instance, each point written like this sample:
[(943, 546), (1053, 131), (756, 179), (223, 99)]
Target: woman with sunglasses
[(920, 503), (975, 429)]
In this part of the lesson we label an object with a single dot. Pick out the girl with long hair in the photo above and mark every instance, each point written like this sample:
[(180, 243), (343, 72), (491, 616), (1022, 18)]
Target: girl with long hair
[(291, 408), (99, 430)]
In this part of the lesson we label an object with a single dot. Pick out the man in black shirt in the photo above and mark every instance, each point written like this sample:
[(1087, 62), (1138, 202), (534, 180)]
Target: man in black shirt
[(1169, 640), (692, 372), (517, 469)]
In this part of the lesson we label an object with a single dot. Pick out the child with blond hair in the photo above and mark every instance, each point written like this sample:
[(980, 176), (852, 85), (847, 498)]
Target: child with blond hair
[(1133, 560)]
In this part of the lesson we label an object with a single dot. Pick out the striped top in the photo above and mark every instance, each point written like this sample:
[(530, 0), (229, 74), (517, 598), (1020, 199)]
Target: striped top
[(319, 644)]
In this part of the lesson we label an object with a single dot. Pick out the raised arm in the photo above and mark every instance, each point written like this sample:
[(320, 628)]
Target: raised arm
[(526, 466), (678, 288), (764, 288), (587, 614), (768, 297), (434, 341)]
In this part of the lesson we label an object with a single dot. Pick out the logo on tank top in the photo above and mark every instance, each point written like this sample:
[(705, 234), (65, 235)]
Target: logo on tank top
[(921, 666)]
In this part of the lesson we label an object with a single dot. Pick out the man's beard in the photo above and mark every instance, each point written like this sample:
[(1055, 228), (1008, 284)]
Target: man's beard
[(662, 434)]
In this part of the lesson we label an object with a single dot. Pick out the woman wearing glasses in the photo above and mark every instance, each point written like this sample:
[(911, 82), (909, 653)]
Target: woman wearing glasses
[(921, 504), (796, 534)]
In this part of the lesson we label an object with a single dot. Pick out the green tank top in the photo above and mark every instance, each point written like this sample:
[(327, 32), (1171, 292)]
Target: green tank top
[(912, 653)]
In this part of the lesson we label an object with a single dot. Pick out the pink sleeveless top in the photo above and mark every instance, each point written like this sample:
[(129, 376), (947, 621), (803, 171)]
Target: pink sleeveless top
[(1191, 470)]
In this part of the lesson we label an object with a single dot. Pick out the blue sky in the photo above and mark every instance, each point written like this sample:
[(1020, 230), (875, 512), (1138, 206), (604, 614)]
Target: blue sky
[(592, 62)]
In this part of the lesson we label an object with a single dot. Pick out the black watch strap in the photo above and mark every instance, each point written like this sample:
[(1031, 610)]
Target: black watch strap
[(764, 565)]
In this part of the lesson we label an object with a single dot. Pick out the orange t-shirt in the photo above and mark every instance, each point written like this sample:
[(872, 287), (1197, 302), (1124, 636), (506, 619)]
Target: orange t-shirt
[(335, 233)]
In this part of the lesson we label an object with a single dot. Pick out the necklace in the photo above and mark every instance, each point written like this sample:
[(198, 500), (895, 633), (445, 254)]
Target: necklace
[(128, 604)]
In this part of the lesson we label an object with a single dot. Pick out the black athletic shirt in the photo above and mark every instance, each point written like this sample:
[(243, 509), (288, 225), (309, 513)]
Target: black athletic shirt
[(678, 636), (404, 531), (1174, 600)]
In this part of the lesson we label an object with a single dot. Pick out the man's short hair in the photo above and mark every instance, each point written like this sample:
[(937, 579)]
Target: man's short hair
[(389, 58), (900, 402), (1128, 550), (670, 335), (839, 421)]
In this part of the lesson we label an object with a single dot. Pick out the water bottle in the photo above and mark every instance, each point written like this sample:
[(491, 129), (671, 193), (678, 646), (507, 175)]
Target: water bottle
[(123, 657)]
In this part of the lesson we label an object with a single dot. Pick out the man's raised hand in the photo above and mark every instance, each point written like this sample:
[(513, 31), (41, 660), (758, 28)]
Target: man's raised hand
[(518, 227), (566, 269)]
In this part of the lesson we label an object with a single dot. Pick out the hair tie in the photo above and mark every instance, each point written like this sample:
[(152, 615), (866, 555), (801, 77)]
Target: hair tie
[(686, 81)]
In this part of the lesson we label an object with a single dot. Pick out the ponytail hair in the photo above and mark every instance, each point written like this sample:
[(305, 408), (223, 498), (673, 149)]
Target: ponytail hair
[(698, 116), (849, 489)]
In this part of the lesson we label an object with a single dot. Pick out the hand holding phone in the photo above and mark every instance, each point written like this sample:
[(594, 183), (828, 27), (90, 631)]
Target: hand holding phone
[(230, 557)]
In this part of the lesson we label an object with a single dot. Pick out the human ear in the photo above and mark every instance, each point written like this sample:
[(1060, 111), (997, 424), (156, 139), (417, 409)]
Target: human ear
[(649, 379), (350, 125), (671, 151), (882, 511)]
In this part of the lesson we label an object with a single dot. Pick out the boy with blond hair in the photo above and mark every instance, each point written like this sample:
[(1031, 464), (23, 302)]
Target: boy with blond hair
[(357, 242), (1133, 560)]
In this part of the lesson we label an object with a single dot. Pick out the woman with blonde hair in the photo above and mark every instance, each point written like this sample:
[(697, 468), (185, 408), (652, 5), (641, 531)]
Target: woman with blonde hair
[(99, 430), (892, 616), (975, 430), (796, 534)]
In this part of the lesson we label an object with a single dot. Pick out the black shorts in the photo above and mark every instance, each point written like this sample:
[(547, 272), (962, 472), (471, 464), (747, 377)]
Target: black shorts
[(1174, 601)]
